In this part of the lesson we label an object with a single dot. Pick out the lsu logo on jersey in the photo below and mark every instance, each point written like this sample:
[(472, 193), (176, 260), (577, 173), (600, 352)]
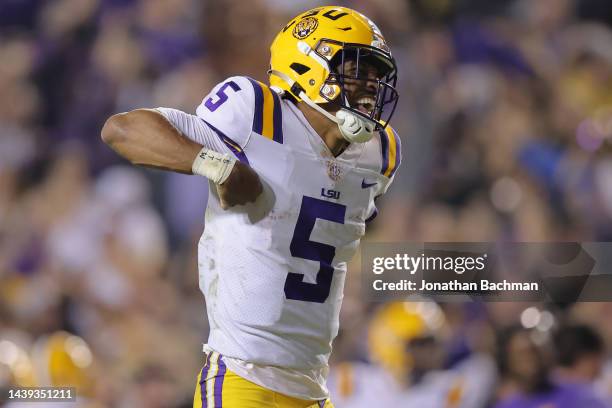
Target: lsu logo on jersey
[(305, 27), (330, 193)]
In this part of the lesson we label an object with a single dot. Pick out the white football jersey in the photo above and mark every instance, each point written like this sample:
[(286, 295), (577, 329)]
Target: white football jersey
[(272, 272)]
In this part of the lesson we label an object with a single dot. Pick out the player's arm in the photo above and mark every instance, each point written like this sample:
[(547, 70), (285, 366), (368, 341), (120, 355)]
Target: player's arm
[(146, 137)]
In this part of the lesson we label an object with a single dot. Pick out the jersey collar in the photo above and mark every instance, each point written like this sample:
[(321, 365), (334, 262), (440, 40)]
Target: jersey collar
[(350, 155)]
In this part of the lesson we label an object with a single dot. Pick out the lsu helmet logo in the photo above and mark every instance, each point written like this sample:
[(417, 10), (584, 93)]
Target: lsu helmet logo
[(305, 27)]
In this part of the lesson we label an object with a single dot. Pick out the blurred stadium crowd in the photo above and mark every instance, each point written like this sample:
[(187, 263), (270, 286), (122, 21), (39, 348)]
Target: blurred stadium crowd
[(505, 116)]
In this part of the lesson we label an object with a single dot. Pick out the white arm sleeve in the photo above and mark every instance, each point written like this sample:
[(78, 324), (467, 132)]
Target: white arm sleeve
[(215, 160), (195, 129)]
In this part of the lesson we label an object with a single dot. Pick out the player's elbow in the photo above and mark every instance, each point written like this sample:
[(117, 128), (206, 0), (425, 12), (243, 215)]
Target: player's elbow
[(115, 129)]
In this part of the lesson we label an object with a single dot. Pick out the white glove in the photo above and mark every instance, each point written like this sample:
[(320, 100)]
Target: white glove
[(353, 127)]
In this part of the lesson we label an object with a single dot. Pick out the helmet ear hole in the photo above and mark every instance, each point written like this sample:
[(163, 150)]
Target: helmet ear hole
[(300, 69)]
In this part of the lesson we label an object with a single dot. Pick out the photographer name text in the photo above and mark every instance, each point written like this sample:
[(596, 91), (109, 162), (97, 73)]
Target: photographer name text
[(454, 286)]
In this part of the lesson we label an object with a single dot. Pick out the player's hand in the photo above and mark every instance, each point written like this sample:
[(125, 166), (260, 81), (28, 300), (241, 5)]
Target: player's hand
[(241, 187)]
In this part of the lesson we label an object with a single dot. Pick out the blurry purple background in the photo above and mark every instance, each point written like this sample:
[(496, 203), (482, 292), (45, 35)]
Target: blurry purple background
[(505, 117)]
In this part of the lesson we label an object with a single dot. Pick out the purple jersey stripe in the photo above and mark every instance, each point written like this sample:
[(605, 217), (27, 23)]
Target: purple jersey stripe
[(258, 116), (219, 382), (322, 404), (203, 381), (233, 146), (384, 146), (278, 119)]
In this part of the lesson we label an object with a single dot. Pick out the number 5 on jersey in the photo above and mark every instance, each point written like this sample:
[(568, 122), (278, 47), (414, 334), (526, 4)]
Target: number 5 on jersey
[(221, 95), (302, 247)]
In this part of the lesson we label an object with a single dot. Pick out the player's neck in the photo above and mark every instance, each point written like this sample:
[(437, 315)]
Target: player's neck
[(326, 129)]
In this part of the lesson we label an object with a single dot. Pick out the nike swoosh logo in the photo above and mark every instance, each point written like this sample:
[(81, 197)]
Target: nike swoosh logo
[(367, 185)]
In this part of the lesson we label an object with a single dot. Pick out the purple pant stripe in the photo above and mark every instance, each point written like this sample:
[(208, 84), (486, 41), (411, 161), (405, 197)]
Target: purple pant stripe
[(203, 381), (219, 382)]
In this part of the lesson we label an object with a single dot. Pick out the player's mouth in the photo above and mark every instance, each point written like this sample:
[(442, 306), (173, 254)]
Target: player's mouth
[(365, 104)]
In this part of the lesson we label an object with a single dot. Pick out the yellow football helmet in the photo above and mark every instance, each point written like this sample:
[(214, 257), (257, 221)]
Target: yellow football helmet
[(63, 360), (394, 325), (309, 54)]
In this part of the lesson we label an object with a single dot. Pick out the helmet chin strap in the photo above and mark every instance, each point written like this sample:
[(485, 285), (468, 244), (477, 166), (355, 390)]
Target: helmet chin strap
[(353, 128)]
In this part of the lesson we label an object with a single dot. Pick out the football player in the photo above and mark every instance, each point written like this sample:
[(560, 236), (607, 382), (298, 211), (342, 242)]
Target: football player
[(293, 169), (408, 364)]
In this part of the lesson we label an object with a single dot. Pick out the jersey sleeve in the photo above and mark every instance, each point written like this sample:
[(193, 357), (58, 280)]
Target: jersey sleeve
[(385, 157), (387, 162), (195, 129), (391, 153), (229, 109)]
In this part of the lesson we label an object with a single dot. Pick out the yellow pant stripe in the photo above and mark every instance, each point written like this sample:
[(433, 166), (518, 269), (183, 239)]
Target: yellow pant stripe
[(197, 397)]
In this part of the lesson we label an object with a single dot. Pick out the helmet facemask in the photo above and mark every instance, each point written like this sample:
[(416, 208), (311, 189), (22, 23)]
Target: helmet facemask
[(347, 70)]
